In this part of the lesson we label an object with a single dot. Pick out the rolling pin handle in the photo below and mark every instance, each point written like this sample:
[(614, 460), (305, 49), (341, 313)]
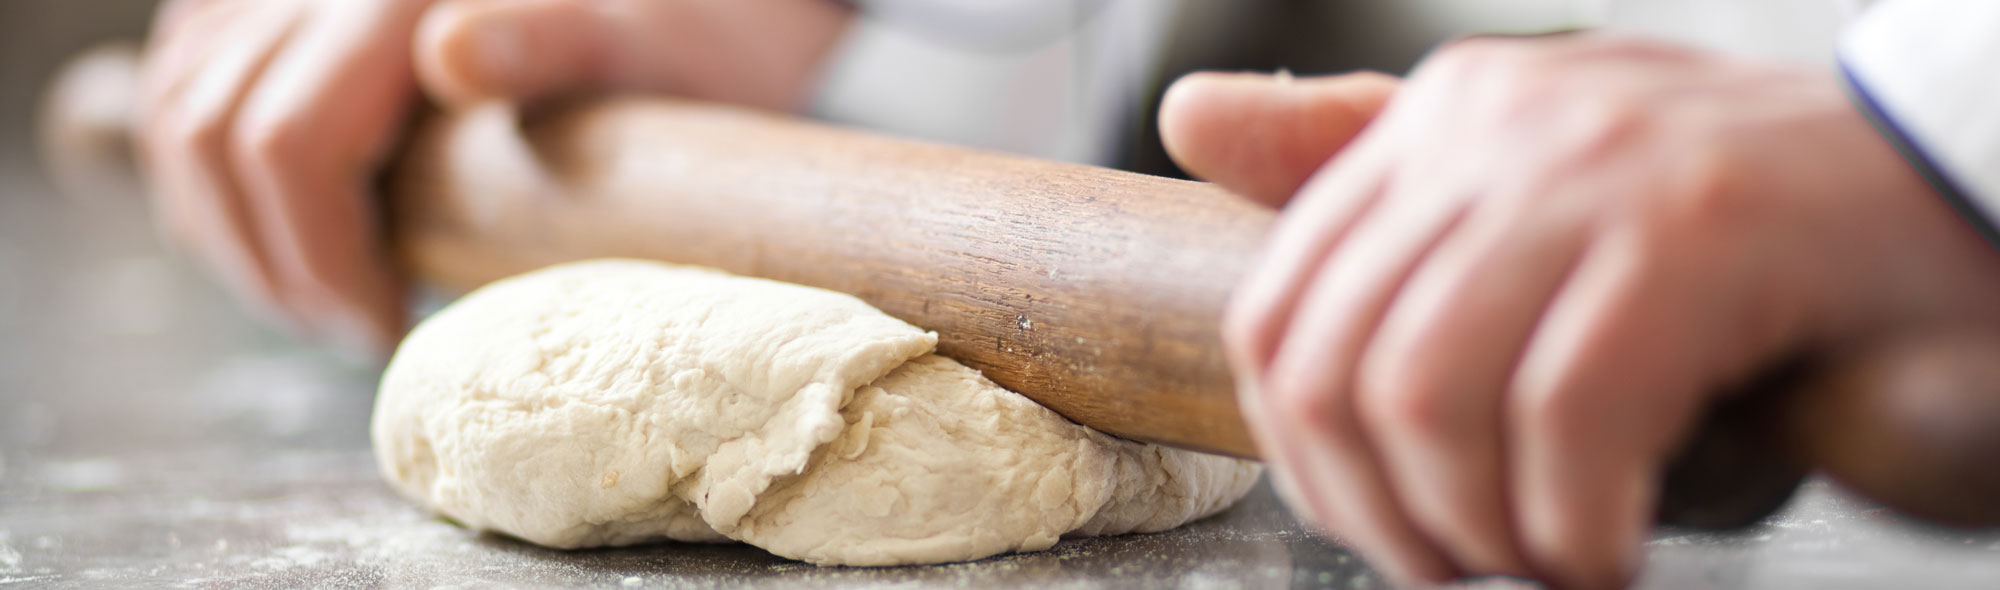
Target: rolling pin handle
[(1737, 469)]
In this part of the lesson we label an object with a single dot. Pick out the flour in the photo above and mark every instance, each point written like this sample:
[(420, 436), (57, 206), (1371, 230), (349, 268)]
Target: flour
[(10, 559)]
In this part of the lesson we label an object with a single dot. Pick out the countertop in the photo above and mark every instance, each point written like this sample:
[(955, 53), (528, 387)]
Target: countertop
[(152, 436)]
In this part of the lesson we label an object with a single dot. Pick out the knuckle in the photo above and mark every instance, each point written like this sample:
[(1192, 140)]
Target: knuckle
[(1245, 332), (1306, 397), (333, 272), (1703, 199), (1514, 79), (1639, 252), (1559, 414), (1305, 405), (1655, 251), (1603, 119), (1239, 330), (196, 134), (266, 143), (316, 270), (1584, 124), (1403, 396)]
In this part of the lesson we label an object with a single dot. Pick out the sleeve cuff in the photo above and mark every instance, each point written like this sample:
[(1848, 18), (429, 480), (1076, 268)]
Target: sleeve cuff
[(1975, 212), (1924, 72)]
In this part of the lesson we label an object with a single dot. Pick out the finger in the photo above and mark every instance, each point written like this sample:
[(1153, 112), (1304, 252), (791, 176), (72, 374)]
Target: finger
[(1262, 136), (186, 35), (184, 149), (1611, 379), (474, 50), (305, 146), (1311, 381), (171, 15), (1261, 306), (1259, 309), (1433, 380), (761, 54)]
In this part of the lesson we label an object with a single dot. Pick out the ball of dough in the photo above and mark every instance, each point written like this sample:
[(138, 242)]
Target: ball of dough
[(618, 402)]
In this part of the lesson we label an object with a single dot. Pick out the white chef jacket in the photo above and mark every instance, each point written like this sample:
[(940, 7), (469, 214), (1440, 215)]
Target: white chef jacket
[(1056, 79), (1928, 73)]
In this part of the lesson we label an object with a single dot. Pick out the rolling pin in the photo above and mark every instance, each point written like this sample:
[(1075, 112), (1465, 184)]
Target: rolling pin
[(1092, 291)]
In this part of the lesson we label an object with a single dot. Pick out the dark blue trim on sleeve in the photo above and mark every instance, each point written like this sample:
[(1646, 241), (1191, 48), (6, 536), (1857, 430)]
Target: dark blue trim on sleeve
[(1917, 158)]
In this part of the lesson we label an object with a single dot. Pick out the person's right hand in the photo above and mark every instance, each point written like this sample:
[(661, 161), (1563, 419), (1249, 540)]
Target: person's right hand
[(263, 121), (1480, 331)]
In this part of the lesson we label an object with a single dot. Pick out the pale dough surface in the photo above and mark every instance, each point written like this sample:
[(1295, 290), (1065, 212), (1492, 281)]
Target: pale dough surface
[(616, 402)]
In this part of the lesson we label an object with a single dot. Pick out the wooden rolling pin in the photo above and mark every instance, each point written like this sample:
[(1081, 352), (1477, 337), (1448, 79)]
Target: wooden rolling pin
[(1092, 291)]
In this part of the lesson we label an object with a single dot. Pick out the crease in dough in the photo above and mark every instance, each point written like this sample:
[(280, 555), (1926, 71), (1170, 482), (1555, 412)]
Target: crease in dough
[(616, 402)]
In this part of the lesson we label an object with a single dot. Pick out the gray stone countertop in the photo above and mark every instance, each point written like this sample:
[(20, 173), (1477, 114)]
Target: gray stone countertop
[(151, 436)]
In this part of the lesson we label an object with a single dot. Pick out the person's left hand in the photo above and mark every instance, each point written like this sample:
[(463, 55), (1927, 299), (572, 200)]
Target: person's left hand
[(263, 122), (1482, 327)]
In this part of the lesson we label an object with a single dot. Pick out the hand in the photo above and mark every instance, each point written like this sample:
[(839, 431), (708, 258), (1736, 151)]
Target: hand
[(1481, 328), (764, 54), (264, 121)]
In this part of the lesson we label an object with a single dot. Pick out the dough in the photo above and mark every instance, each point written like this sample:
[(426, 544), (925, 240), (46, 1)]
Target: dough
[(617, 402)]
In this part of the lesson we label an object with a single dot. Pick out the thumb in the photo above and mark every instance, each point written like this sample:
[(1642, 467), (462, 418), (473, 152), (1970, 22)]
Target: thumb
[(756, 53), (470, 50), (1262, 136)]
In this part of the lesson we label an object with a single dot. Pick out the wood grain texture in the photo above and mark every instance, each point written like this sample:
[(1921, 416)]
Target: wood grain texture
[(1093, 291)]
